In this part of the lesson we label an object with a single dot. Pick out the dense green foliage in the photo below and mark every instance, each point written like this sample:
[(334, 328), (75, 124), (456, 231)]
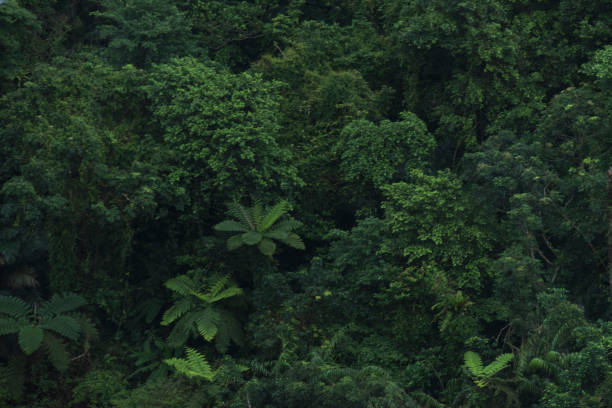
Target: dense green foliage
[(294, 204)]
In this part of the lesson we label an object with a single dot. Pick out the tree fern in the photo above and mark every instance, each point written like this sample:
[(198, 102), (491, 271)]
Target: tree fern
[(198, 310), (38, 324), (257, 226), (482, 373)]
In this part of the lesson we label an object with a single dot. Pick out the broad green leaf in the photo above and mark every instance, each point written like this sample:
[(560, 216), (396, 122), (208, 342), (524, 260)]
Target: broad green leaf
[(267, 247), (251, 238), (230, 226), (30, 338), (234, 242)]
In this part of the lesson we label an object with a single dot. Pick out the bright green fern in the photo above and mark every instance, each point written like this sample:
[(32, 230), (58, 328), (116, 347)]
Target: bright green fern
[(198, 311), (482, 374), (261, 227)]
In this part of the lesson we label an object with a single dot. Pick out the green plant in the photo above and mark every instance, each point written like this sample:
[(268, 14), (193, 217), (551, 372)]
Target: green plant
[(482, 374), (197, 311), (38, 325), (261, 227)]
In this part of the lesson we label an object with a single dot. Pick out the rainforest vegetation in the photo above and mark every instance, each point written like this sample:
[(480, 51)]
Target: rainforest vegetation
[(305, 203)]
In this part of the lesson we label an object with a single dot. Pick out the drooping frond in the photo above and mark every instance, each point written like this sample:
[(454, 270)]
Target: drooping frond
[(498, 364), (229, 329), (207, 323), (193, 366), (180, 332), (234, 242), (57, 351), (226, 293), (61, 303), (181, 284), (216, 287), (273, 215), (242, 214), (230, 226), (287, 225), (14, 307), (89, 330), (66, 326), (175, 311), (30, 338), (474, 363), (294, 241)]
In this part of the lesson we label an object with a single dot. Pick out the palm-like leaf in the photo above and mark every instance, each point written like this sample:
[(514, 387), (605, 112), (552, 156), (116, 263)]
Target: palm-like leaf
[(61, 303), (175, 311), (30, 338), (194, 366), (57, 351), (231, 226), (66, 326), (14, 307), (273, 215)]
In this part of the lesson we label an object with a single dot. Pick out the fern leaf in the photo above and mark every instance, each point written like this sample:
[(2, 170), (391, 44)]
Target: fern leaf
[(87, 326), (294, 241), (234, 242), (57, 351), (277, 234), (176, 311), (257, 212), (227, 293), (194, 366), (287, 225), (207, 323), (230, 226), (61, 303), (66, 326), (251, 237), (242, 215), (30, 338), (8, 326), (498, 364), (12, 378), (14, 307), (474, 363), (181, 284), (267, 247), (273, 215), (216, 287), (180, 332)]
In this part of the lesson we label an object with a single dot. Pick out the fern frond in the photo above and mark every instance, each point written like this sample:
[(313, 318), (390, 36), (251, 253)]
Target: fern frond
[(194, 366), (181, 284), (180, 332), (61, 303), (242, 214), (66, 326), (8, 326), (257, 212), (57, 351), (30, 338), (14, 307), (227, 293), (230, 226), (267, 247), (273, 215), (175, 311), (216, 287), (207, 323), (498, 364), (234, 242), (89, 330), (286, 225), (229, 329), (474, 363), (294, 241)]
